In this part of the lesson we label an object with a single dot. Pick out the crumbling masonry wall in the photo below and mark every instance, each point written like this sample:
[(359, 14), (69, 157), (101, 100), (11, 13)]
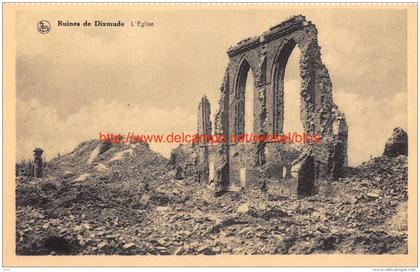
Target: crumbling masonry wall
[(204, 128), (266, 57)]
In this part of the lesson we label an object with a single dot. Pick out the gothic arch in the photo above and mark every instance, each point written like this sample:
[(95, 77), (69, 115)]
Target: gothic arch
[(277, 80), (239, 88)]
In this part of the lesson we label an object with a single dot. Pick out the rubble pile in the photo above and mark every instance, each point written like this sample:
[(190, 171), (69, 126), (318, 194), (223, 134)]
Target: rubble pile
[(125, 199), (386, 174), (95, 185)]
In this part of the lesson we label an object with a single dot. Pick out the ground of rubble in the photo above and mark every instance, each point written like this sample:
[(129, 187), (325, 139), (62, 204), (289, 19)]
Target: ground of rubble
[(127, 201)]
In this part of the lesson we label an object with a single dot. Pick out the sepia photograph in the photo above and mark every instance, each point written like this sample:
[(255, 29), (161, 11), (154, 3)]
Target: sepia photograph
[(216, 135)]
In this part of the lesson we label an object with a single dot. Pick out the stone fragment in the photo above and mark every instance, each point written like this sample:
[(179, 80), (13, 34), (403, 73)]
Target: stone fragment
[(216, 249), (179, 251), (204, 250), (82, 177), (68, 174), (101, 167), (244, 208), (179, 172), (102, 244), (372, 195), (397, 144), (304, 167), (128, 245)]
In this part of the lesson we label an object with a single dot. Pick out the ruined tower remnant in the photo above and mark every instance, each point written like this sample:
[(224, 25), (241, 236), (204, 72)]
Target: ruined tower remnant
[(238, 164), (397, 144), (37, 162), (204, 131), (204, 123)]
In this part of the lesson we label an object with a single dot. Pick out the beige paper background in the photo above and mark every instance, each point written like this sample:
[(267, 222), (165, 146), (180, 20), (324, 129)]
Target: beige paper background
[(9, 149)]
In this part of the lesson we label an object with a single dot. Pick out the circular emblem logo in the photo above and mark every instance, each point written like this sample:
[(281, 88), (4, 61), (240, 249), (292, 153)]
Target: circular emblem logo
[(43, 27)]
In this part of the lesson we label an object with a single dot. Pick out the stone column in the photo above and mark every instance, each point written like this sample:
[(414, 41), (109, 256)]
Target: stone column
[(38, 162), (204, 132)]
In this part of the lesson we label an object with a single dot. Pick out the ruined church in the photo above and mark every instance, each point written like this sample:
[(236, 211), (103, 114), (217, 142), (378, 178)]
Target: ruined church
[(231, 166)]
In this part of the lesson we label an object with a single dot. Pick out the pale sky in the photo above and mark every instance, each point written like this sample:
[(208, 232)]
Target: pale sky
[(73, 83)]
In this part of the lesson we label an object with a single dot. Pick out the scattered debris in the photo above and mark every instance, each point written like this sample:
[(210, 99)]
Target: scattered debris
[(138, 207)]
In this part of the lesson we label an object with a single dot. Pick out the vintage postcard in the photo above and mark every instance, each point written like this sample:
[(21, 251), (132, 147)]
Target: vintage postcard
[(209, 135)]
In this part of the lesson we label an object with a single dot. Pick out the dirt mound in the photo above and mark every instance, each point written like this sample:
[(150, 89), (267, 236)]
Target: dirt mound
[(111, 162)]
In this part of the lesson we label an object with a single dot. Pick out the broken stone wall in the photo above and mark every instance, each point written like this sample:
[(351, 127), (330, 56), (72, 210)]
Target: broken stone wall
[(266, 57), (204, 128), (397, 144), (185, 160), (220, 156)]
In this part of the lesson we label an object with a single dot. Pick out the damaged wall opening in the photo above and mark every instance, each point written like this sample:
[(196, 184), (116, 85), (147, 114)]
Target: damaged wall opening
[(292, 81), (286, 84), (287, 103), (244, 93), (249, 103)]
